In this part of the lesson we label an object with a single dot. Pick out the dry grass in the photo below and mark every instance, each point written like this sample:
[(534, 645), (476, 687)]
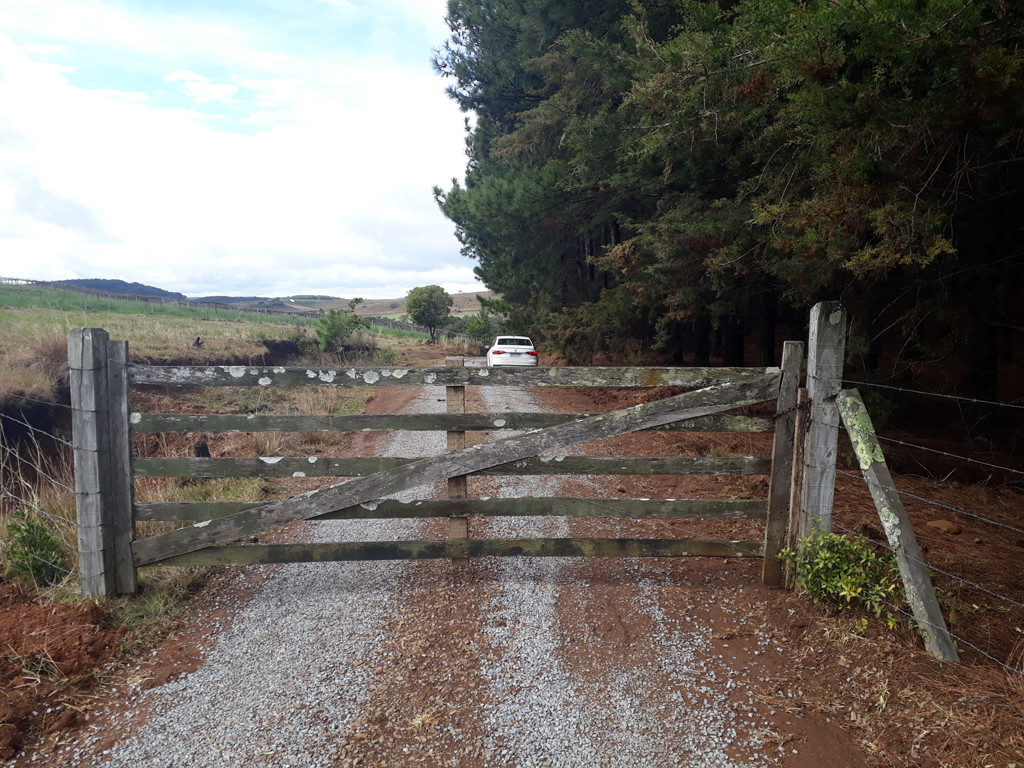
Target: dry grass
[(40, 481), (43, 332)]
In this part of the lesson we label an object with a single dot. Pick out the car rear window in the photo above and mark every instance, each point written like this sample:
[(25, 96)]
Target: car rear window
[(513, 341)]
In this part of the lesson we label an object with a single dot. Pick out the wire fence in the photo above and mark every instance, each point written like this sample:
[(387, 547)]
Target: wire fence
[(970, 568)]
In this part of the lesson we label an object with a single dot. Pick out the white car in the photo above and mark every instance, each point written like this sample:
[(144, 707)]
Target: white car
[(511, 350)]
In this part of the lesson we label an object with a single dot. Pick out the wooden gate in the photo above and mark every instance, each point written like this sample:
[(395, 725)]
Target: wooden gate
[(103, 425)]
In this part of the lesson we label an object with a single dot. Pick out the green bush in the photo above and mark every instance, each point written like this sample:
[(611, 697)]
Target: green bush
[(843, 573), (34, 553), (335, 328)]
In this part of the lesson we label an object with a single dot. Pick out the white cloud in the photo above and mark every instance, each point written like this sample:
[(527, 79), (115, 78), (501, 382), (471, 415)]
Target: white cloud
[(201, 89), (306, 172)]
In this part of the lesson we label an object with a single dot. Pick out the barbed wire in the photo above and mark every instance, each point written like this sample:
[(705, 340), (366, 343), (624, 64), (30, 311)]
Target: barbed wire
[(941, 505), (959, 638), (36, 429), (935, 394), (952, 455), (914, 619), (50, 403), (22, 460), (931, 566), (61, 522)]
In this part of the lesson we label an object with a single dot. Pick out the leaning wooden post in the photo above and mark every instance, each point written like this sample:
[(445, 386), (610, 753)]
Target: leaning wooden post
[(455, 397), (87, 366), (782, 463), (824, 380), (916, 582)]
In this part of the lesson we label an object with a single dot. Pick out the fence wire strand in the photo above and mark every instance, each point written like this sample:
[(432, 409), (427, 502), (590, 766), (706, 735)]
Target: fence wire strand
[(11, 452), (952, 455), (931, 566), (941, 505), (59, 521), (958, 638), (36, 429), (935, 394)]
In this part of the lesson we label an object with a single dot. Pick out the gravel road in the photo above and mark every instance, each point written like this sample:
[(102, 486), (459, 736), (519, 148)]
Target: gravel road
[(549, 662)]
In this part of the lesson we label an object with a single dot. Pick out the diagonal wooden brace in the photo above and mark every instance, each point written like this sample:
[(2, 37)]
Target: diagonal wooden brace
[(688, 405)]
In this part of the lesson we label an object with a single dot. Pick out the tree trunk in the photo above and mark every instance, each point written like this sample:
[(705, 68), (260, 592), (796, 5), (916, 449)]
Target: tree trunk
[(702, 349), (732, 328)]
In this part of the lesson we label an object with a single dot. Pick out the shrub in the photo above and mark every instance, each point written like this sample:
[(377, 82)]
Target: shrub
[(334, 328), (34, 553), (843, 573)]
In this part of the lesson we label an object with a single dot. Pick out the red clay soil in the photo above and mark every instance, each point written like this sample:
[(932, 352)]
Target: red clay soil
[(49, 654)]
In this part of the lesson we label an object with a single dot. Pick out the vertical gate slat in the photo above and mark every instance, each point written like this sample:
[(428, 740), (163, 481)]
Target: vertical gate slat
[(458, 487), (121, 487), (782, 463)]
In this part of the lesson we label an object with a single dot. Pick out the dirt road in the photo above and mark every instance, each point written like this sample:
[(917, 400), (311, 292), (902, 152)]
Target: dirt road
[(507, 662)]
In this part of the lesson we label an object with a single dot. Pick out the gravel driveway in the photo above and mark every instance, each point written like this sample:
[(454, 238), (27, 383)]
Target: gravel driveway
[(552, 662)]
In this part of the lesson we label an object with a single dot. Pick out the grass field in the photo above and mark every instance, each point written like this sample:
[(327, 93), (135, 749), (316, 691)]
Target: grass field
[(35, 458), (35, 321)]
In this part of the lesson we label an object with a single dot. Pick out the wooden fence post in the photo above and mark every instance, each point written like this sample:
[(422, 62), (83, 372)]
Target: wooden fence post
[(799, 438), (782, 463), (916, 582), (824, 379), (99, 416), (455, 398), (122, 489), (87, 365)]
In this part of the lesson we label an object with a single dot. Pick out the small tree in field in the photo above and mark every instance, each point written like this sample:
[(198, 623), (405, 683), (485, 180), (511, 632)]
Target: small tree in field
[(483, 327), (334, 328), (429, 306)]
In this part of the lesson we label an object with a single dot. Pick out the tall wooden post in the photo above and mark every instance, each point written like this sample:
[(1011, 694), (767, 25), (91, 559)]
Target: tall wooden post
[(826, 346), (917, 584), (455, 398), (102, 484), (799, 439), (87, 365), (122, 489), (782, 463)]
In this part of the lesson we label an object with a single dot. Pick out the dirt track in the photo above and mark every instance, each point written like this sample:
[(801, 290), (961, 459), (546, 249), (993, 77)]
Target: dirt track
[(521, 662)]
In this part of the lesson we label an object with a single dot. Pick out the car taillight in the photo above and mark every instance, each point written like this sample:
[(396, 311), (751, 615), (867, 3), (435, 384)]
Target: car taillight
[(498, 352), (532, 353)]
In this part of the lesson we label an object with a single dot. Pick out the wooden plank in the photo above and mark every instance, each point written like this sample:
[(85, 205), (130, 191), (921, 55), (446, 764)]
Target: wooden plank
[(290, 466), (251, 554), (478, 457), (916, 582), (458, 486), (782, 463), (121, 486), (824, 380), (90, 425), (353, 376), (797, 520), (431, 422), (488, 507)]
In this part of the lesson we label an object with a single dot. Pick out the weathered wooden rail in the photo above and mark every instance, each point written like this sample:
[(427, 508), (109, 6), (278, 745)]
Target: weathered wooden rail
[(104, 425)]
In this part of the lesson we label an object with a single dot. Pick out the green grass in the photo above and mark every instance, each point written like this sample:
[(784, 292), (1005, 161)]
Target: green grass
[(43, 297), (60, 310)]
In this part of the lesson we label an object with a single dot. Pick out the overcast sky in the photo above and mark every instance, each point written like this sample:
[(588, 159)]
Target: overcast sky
[(242, 147)]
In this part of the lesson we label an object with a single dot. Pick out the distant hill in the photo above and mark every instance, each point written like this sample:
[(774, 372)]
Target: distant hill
[(117, 287)]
